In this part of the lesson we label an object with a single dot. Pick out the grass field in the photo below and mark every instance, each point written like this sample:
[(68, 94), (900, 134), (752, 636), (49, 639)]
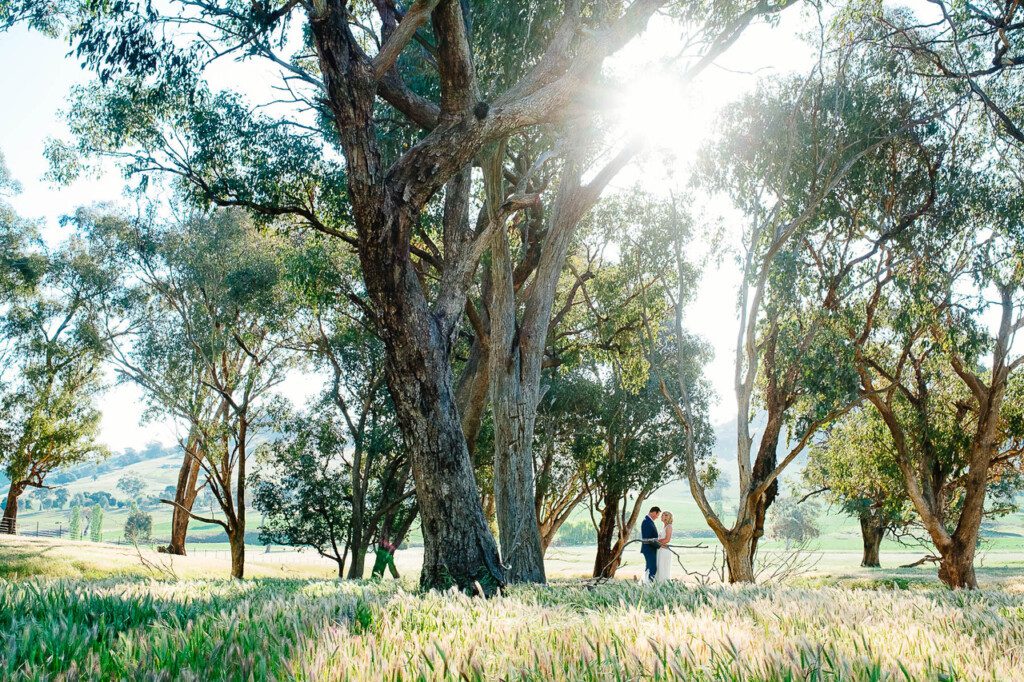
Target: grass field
[(95, 611), (99, 611), (134, 628)]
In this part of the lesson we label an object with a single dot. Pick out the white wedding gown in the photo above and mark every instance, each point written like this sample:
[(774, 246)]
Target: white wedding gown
[(664, 559)]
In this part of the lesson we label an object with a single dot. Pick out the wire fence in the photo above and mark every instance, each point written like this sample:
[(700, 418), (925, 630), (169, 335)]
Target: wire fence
[(12, 527)]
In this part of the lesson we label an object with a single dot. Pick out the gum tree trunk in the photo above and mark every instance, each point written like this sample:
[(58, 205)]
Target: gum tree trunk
[(608, 559), (739, 555), (387, 203), (10, 517), (357, 541), (872, 531), (236, 539), (184, 498), (357, 567), (458, 548), (956, 569), (517, 355), (514, 405)]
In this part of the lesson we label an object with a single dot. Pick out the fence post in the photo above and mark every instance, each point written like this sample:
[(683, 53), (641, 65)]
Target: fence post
[(37, 529)]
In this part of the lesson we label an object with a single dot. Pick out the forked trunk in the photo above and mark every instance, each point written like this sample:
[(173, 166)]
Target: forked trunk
[(739, 557), (458, 547), (872, 531), (184, 498), (956, 569), (514, 383)]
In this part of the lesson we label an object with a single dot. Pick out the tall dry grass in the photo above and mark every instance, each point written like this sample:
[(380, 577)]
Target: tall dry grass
[(135, 629)]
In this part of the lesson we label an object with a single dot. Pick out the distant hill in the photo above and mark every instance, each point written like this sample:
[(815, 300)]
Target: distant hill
[(114, 463)]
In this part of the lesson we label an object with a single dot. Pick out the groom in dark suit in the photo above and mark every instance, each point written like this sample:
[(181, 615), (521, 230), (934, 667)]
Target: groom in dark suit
[(649, 542)]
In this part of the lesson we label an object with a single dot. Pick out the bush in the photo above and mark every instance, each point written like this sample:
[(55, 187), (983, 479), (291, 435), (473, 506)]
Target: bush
[(139, 525)]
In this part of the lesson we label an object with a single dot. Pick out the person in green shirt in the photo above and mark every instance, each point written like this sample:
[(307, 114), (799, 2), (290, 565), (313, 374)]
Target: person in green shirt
[(385, 559)]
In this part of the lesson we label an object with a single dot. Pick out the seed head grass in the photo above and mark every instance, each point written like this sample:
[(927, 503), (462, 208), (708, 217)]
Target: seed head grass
[(130, 628)]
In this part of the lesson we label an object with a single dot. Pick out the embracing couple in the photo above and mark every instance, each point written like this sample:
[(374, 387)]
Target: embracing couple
[(654, 546)]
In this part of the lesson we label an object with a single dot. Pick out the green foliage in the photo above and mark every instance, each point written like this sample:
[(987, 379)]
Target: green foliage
[(75, 524), (132, 485), (633, 445), (22, 263), (54, 331), (138, 527), (576, 534), (96, 524), (302, 485), (794, 521), (856, 465), (362, 623), (46, 16)]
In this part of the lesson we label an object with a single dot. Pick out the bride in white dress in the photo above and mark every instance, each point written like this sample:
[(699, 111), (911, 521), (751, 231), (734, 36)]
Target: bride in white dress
[(664, 556)]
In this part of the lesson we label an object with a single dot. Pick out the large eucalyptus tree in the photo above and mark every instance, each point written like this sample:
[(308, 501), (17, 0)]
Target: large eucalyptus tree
[(937, 373), (410, 99), (209, 338), (49, 416), (826, 169)]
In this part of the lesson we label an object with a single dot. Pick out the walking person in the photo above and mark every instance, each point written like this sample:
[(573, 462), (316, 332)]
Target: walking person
[(385, 559)]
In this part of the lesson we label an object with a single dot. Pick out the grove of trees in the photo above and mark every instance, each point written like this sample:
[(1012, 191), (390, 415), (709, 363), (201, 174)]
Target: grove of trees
[(429, 211)]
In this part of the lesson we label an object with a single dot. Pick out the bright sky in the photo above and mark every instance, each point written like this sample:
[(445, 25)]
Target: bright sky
[(39, 75)]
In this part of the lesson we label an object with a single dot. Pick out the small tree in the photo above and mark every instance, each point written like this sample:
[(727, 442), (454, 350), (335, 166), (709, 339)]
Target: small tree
[(640, 450), (304, 487), (795, 522), (855, 467), (300, 489), (75, 525), (96, 524), (132, 485), (139, 526)]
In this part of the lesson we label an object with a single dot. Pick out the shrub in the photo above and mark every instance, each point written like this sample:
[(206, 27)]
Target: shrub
[(139, 525)]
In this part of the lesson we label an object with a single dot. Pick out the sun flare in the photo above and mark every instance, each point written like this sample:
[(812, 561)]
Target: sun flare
[(666, 115)]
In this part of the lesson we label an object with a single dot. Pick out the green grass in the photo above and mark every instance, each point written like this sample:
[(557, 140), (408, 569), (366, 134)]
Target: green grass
[(94, 611), (128, 629)]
